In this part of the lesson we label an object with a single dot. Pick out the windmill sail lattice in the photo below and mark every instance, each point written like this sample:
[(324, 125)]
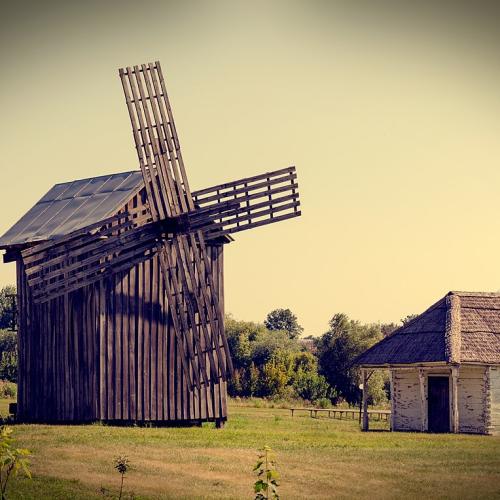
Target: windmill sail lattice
[(175, 225)]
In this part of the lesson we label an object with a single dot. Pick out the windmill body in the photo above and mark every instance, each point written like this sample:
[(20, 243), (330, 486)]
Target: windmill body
[(120, 280)]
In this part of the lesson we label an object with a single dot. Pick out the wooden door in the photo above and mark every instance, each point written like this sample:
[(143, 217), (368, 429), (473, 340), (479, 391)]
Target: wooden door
[(439, 404)]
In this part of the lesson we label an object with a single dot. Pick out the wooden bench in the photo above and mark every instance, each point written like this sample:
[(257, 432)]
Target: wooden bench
[(348, 412)]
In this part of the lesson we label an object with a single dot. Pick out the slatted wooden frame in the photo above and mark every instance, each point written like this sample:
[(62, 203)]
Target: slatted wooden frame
[(172, 226)]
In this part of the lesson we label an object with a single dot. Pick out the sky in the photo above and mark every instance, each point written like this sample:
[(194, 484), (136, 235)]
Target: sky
[(389, 110)]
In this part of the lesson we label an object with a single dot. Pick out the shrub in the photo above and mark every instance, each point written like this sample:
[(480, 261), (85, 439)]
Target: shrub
[(8, 390), (311, 386), (8, 355), (266, 486), (323, 403), (12, 460), (121, 464)]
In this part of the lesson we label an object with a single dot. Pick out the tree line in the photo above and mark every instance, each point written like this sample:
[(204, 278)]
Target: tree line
[(271, 361)]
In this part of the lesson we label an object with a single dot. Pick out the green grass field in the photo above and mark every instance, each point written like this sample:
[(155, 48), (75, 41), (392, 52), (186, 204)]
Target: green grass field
[(318, 458)]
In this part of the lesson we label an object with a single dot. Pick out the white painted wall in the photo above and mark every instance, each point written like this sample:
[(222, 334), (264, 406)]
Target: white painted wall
[(495, 399), (406, 401), (472, 399)]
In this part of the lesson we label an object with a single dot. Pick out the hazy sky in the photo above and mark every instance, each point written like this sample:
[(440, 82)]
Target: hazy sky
[(391, 115)]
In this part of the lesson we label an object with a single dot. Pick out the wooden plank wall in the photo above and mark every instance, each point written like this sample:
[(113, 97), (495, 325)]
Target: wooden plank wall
[(494, 399), (406, 401), (471, 399), (108, 352)]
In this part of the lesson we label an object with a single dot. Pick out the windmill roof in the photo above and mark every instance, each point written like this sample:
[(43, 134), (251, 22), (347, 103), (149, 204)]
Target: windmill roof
[(459, 328), (73, 205)]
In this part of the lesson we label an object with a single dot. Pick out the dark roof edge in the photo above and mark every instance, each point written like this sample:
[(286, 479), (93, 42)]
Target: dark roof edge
[(358, 359)]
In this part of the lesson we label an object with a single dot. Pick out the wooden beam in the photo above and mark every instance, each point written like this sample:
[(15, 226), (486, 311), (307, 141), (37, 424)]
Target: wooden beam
[(365, 420), (423, 400), (455, 423), (391, 382)]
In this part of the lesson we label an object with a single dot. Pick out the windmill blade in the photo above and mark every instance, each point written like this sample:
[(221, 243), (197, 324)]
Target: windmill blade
[(169, 196), (156, 140), (247, 203), (87, 255)]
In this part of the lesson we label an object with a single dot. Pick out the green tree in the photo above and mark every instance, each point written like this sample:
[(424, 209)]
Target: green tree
[(268, 345), (269, 363), (6, 313), (337, 349), (241, 337), (8, 355), (388, 328), (284, 319), (275, 378), (408, 318), (311, 386)]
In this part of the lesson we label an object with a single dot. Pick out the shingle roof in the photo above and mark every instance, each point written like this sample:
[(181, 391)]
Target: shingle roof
[(73, 205), (461, 327)]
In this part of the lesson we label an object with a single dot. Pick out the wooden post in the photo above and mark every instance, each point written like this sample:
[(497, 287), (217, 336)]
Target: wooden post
[(455, 426), (365, 424), (391, 382), (488, 426), (423, 400)]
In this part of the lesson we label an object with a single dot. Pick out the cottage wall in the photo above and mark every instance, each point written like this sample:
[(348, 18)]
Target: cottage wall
[(406, 401), (409, 410), (472, 399), (494, 399)]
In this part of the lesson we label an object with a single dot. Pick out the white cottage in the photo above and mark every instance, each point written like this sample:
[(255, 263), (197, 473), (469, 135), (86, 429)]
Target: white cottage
[(444, 367)]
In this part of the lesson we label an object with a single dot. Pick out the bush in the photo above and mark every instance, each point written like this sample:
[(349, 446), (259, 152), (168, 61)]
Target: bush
[(8, 355), (8, 390), (311, 386), (323, 403)]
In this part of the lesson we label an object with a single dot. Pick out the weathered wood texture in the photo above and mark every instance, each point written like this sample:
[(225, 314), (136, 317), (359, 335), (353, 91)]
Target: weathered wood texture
[(410, 398), (472, 395), (108, 352), (494, 399)]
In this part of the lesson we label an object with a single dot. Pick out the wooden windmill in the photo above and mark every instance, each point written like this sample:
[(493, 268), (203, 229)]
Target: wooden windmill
[(80, 269)]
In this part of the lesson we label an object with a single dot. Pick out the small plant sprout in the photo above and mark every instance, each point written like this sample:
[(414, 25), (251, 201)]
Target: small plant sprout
[(122, 466), (266, 486), (12, 460)]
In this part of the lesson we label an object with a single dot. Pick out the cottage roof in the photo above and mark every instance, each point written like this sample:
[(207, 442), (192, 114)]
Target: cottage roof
[(73, 205), (461, 327)]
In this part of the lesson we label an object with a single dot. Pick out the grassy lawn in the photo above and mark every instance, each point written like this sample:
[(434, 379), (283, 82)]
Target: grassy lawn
[(318, 458)]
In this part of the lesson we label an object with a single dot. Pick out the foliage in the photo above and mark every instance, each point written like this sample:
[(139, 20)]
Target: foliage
[(378, 388), (266, 486), (8, 390), (272, 364), (311, 386), (12, 460), (337, 349), (6, 313), (408, 318), (275, 378), (324, 403), (265, 360), (8, 355), (122, 465), (285, 320), (271, 344), (388, 328)]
